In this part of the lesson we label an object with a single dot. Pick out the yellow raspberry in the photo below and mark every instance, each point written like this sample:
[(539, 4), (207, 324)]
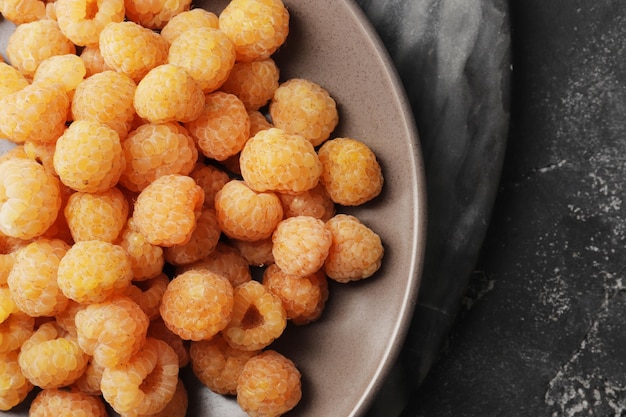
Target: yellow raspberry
[(107, 98), (23, 11), (177, 406), (253, 82), (300, 245), (154, 150), (92, 271), (158, 329), (30, 198), (257, 253), (33, 279), (258, 122), (89, 157), (245, 214), (277, 161), (93, 60), (356, 251), (211, 179), (256, 27), (189, 19), (68, 70), (304, 108), (350, 172), (206, 54), (11, 80), (314, 202), (166, 211), (154, 14), (132, 49), (97, 216), (224, 260), (148, 293), (35, 113), (81, 21), (62, 403), (203, 240), (146, 259), (15, 330), (31, 43), (168, 94), (197, 304), (14, 387), (223, 126)]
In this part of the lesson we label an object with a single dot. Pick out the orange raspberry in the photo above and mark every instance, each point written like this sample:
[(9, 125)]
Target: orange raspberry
[(11, 80), (258, 317), (15, 387), (93, 60), (30, 198), (92, 271), (253, 82), (351, 174), (15, 330), (278, 161), (218, 365), (19, 12), (245, 214), (177, 406), (154, 150), (67, 69), (148, 294), (211, 179), (269, 385), (81, 21), (258, 122), (206, 54), (189, 19), (146, 259), (159, 330), (203, 240), (304, 108), (224, 260), (314, 202), (154, 14), (62, 403), (257, 253), (197, 304), (256, 27), (168, 94), (166, 211), (223, 127)]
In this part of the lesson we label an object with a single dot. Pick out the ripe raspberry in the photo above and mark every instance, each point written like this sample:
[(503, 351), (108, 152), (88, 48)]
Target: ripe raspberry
[(50, 360), (351, 174), (146, 383), (31, 43), (168, 93), (81, 21), (112, 331), (14, 386), (206, 54), (217, 365), (132, 49), (33, 279), (7, 305), (15, 330), (154, 14), (29, 198), (89, 381), (11, 80), (197, 304), (62, 403), (222, 128), (106, 97), (257, 253), (148, 294), (256, 27), (159, 330), (94, 61), (253, 82), (258, 317), (356, 252), (314, 202), (203, 240), (269, 385), (35, 113), (97, 216), (92, 271), (166, 211), (190, 19), (245, 214), (258, 122), (224, 260), (153, 150), (67, 69), (19, 12), (146, 259), (211, 179), (300, 245), (278, 161), (177, 406)]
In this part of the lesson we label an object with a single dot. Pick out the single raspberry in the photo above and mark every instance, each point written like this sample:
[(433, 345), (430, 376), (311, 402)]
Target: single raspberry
[(153, 150), (300, 245), (154, 14), (94, 61), (81, 21), (245, 214), (197, 304), (148, 294), (146, 259), (223, 127), (166, 211), (314, 202), (189, 19), (19, 12), (177, 406), (15, 330), (159, 330), (168, 93), (31, 43), (258, 317), (256, 27), (258, 122), (253, 82), (112, 331), (97, 216), (146, 383), (92, 271), (211, 179), (356, 252), (218, 365), (203, 240), (256, 253), (89, 381), (33, 279), (67, 69), (274, 160), (30, 198), (63, 403), (206, 54), (303, 107), (14, 386), (11, 80), (224, 260), (269, 385), (106, 97), (7, 304), (132, 49), (351, 174)]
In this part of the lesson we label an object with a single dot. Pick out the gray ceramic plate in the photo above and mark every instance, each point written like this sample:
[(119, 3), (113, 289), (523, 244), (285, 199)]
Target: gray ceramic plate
[(346, 355)]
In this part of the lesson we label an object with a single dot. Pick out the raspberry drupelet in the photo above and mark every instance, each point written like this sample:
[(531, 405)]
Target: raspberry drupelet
[(66, 403)]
